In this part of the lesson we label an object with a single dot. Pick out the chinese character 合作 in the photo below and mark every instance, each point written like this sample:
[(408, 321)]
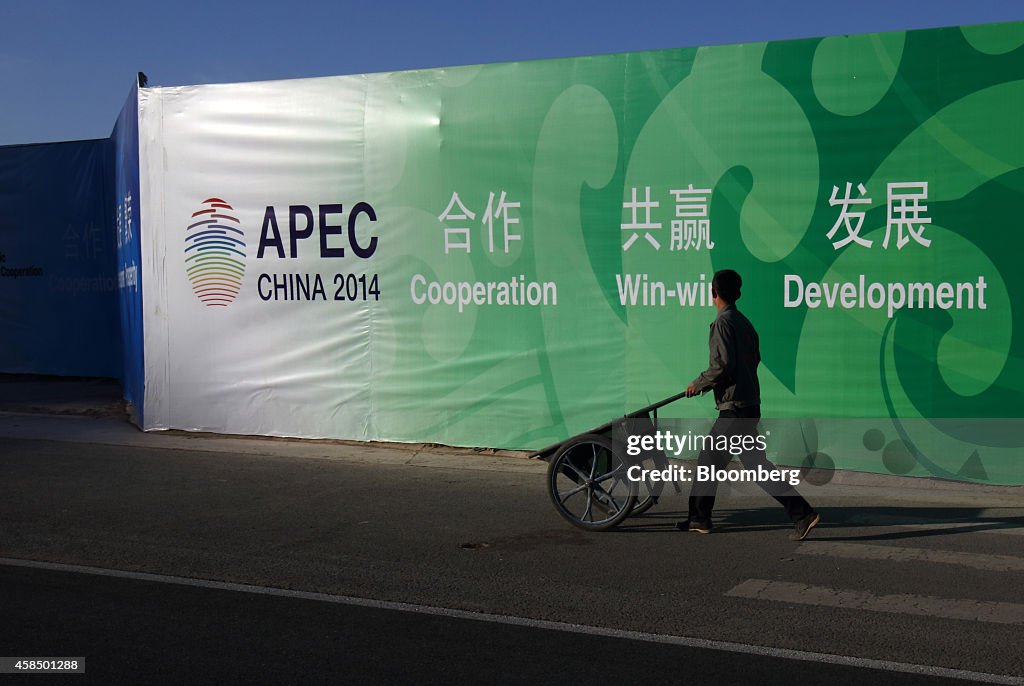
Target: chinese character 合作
[(456, 238)]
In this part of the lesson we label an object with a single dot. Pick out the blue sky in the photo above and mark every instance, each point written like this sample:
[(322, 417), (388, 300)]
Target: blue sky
[(66, 65)]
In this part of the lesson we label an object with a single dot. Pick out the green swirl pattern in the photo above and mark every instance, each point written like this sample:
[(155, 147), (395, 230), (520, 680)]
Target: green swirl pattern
[(769, 129)]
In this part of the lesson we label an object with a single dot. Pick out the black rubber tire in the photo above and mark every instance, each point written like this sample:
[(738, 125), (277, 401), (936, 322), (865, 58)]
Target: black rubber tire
[(594, 452), (643, 503)]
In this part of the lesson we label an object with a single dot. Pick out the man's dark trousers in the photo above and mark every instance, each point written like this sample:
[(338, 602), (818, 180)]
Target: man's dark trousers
[(741, 422)]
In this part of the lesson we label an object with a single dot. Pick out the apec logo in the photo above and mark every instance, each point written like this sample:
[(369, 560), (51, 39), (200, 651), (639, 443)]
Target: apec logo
[(215, 253)]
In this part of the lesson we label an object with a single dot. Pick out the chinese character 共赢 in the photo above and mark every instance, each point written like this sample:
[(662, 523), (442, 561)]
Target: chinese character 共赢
[(852, 221), (692, 223), (500, 211), (636, 225), (905, 212), (460, 232)]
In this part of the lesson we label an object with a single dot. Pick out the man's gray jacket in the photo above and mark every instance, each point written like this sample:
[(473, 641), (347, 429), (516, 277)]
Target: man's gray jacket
[(735, 354)]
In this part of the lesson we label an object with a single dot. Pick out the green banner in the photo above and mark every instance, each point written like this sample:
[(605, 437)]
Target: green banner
[(548, 232)]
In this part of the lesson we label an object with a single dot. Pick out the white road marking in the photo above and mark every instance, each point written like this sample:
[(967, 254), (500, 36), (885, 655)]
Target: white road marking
[(889, 553), (927, 606), (682, 641)]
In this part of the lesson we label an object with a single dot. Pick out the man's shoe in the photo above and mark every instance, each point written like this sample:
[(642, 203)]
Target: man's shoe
[(804, 526), (695, 527)]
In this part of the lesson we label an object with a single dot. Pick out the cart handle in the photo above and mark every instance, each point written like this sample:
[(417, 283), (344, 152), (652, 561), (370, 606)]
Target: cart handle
[(656, 406), (544, 452)]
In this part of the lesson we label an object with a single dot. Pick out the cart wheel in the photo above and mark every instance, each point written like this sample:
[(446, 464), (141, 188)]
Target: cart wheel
[(647, 493), (643, 503), (588, 485)]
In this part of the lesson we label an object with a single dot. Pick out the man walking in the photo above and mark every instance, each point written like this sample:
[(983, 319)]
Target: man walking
[(732, 375)]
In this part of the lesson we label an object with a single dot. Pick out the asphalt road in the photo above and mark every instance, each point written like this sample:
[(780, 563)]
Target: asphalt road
[(920, 578), (144, 632)]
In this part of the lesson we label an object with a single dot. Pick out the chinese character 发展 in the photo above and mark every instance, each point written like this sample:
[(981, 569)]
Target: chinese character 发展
[(905, 212), (852, 221)]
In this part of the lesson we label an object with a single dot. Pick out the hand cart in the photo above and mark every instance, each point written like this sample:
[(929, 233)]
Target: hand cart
[(587, 473)]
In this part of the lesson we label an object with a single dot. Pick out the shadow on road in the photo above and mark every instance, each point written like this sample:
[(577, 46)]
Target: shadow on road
[(845, 523)]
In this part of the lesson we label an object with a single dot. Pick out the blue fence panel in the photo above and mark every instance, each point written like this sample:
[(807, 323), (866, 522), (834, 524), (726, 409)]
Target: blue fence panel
[(58, 286)]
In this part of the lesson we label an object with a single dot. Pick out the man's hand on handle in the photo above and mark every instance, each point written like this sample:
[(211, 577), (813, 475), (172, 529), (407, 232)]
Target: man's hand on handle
[(691, 390)]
